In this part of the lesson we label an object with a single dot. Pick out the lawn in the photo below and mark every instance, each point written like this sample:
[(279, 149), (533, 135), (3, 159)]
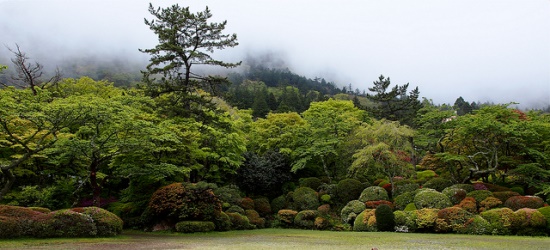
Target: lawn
[(284, 239)]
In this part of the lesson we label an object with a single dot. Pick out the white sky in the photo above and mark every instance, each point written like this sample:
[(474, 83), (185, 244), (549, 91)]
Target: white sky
[(482, 50)]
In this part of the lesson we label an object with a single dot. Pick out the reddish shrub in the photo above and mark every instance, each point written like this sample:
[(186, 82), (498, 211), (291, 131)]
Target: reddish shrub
[(505, 195), (247, 203), (451, 219), (517, 202), (287, 216), (321, 223), (324, 209), (254, 218), (387, 186), (489, 203), (479, 186), (469, 204), (262, 206), (10, 228), (375, 204), (495, 188)]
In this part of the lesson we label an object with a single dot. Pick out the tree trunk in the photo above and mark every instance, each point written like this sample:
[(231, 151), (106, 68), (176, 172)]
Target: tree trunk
[(10, 180), (326, 170)]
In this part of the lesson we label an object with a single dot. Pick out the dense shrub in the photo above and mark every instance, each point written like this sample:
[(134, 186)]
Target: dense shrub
[(402, 200), (235, 209), (489, 203), (10, 227), (351, 210), (262, 206), (287, 216), (365, 221), (254, 218), (480, 195), (410, 207), (228, 195), (305, 198), (451, 219), (469, 204), (518, 190), (374, 193), (247, 203), (239, 221), (64, 223), (195, 226), (455, 194), (40, 209), (264, 174), (425, 175), (502, 220), (321, 223), (330, 189), (503, 196), (405, 221), (310, 182), (530, 222), (324, 209), (306, 219), (385, 220), (517, 202), (467, 187), (438, 183), (479, 186), (107, 223), (496, 188), (404, 188), (348, 189), (476, 225), (375, 204), (325, 198), (425, 218), (223, 222), (429, 198), (25, 218), (185, 201), (278, 203)]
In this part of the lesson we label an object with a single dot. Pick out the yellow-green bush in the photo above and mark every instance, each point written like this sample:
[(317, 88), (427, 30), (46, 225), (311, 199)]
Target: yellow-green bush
[(502, 220), (530, 222), (489, 203), (365, 221), (476, 225), (286, 216), (429, 198), (405, 221), (374, 193), (107, 223), (351, 210)]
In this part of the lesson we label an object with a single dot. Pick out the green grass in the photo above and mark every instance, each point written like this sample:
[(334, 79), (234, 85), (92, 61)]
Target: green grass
[(284, 239)]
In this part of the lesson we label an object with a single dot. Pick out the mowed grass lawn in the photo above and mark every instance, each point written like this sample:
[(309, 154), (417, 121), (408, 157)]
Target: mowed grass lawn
[(284, 239)]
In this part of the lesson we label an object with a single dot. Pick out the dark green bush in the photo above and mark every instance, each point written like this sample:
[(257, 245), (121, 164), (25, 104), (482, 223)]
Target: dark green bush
[(401, 201), (305, 198), (502, 220), (467, 187), (247, 203), (480, 195), (423, 176), (64, 223), (503, 196), (262, 206), (365, 221), (517, 202), (264, 174), (223, 222), (195, 226), (107, 223), (235, 209), (385, 220), (351, 210), (545, 211), (438, 183), (429, 198), (310, 182), (330, 189), (348, 189), (374, 193), (229, 194), (306, 219), (404, 188), (518, 190), (239, 221), (278, 203), (496, 188), (455, 194)]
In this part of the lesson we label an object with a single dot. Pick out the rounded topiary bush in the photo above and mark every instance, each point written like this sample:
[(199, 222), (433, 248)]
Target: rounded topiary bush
[(195, 226), (24, 218), (429, 198), (545, 211), (235, 209), (286, 216), (496, 188), (330, 189), (306, 219), (423, 176), (451, 219), (365, 221), (502, 220), (305, 198), (262, 206), (518, 190), (229, 195), (247, 203), (517, 202), (404, 188), (469, 204), (467, 187), (480, 195), (254, 218), (401, 201), (503, 196), (477, 226), (385, 220), (348, 189), (107, 223), (310, 182), (321, 223), (239, 221), (425, 219), (374, 193), (456, 195), (438, 183), (405, 221), (64, 223), (530, 222), (351, 210), (223, 222), (489, 203), (375, 204)]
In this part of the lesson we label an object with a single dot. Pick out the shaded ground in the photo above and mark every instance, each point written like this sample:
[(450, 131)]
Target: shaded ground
[(284, 239)]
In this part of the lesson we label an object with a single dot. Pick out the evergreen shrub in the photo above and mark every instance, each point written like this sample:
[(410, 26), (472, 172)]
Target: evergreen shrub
[(489, 203), (469, 204), (502, 220), (456, 195), (385, 220), (235, 209), (374, 193), (254, 218), (239, 221), (451, 219), (518, 190), (375, 204), (480, 195), (64, 223), (476, 226), (530, 222), (425, 218), (438, 183), (286, 216), (278, 203), (467, 187), (429, 198), (351, 210), (107, 223), (365, 221), (310, 182), (402, 188), (262, 206), (305, 198), (410, 207), (247, 203), (195, 226), (10, 228), (401, 201), (223, 222), (505, 195), (306, 219), (405, 221), (229, 194), (348, 189), (517, 202)]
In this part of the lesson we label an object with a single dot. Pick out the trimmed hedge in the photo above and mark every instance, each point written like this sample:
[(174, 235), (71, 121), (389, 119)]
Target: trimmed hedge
[(451, 219), (476, 225), (480, 195), (374, 193), (348, 189), (351, 210), (405, 221), (401, 201), (530, 221), (286, 216), (239, 221), (385, 220), (64, 223), (456, 195), (503, 196), (469, 204), (502, 220), (306, 219), (517, 202), (375, 204), (305, 198), (489, 203), (254, 218), (429, 198), (262, 206), (107, 223), (278, 203), (438, 183), (425, 218), (467, 187), (310, 182), (365, 221), (195, 226)]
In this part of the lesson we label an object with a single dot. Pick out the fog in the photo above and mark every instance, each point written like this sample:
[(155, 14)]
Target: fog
[(491, 50)]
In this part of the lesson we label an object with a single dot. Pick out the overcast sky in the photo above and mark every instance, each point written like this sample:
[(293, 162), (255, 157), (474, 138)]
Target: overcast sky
[(482, 50)]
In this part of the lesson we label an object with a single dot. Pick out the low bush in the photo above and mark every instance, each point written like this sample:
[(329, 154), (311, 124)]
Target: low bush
[(496, 188), (477, 226), (287, 216), (64, 223), (324, 209), (469, 204), (229, 194), (321, 223), (404, 188), (235, 209), (365, 221), (517, 202), (25, 218), (306, 219), (425, 218), (278, 203), (530, 222), (351, 210), (489, 203), (254, 218), (195, 226), (545, 211), (429, 198), (425, 175), (305, 198), (239, 221), (375, 204), (405, 221), (451, 219), (456, 195), (310, 182), (107, 223), (385, 220), (467, 187), (247, 203), (348, 189), (401, 201), (262, 206), (10, 228), (480, 195), (438, 183), (503, 196), (374, 193), (330, 189), (502, 220), (223, 222)]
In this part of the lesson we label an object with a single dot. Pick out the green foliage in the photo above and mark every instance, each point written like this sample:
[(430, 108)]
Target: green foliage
[(263, 206), (311, 182), (402, 188), (385, 220), (476, 226), (374, 193), (254, 218), (489, 203), (325, 198), (228, 194), (517, 202), (247, 203), (107, 223), (348, 189), (306, 219), (425, 218), (195, 226), (429, 198), (351, 210), (425, 175), (410, 207), (545, 211), (518, 190), (452, 219), (530, 221), (456, 195), (264, 174), (239, 221), (466, 187), (278, 203), (235, 209), (10, 228), (502, 220), (223, 222), (404, 199), (480, 195), (438, 183), (64, 223), (405, 221), (305, 198), (365, 221)]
